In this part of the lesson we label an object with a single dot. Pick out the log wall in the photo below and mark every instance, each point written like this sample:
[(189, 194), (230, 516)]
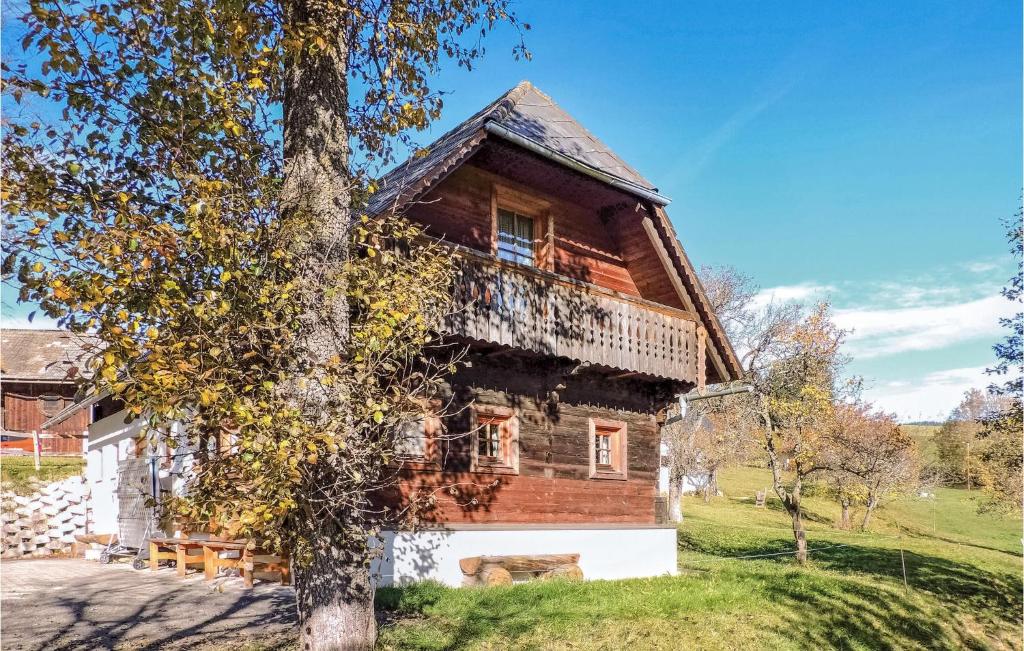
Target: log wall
[(553, 484)]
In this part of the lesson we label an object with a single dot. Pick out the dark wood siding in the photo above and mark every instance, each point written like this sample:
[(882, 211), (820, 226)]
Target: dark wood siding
[(23, 411), (553, 484), (459, 209)]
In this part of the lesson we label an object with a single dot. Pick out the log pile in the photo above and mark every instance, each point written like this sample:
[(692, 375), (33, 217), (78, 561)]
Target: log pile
[(44, 523), (501, 570)]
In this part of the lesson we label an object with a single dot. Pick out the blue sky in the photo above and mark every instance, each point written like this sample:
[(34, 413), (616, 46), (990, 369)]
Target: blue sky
[(863, 152)]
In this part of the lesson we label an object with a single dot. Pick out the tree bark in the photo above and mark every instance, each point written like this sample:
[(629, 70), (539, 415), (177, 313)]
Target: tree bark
[(844, 519), (333, 587), (334, 593), (872, 503), (790, 499), (675, 499), (799, 535)]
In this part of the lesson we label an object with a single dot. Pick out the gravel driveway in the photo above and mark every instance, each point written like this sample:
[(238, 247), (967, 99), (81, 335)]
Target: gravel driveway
[(77, 604)]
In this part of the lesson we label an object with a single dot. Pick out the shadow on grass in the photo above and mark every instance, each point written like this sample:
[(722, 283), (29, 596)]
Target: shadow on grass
[(859, 602)]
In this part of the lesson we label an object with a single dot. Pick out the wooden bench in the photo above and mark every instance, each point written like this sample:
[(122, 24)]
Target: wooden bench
[(177, 550), (246, 563), (497, 570)]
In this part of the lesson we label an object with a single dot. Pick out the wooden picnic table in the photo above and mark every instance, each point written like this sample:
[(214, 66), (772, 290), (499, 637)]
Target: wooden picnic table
[(177, 550), (250, 558)]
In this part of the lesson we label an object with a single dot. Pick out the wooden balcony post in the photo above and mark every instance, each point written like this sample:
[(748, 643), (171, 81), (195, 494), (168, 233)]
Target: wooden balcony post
[(702, 337)]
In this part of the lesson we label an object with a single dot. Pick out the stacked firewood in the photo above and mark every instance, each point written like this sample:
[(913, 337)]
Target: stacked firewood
[(44, 523)]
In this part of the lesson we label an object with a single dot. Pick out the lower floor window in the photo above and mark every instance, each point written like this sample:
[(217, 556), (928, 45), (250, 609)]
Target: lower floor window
[(608, 448), (603, 447), (489, 440), (496, 440)]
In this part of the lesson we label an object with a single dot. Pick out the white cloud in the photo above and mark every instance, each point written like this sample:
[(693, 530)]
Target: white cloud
[(880, 331), (931, 397), (980, 267), (785, 293)]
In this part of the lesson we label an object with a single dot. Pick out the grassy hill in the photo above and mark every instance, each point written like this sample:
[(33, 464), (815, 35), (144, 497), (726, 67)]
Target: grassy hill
[(924, 434), (963, 587)]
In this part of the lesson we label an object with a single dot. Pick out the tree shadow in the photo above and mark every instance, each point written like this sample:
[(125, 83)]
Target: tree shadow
[(179, 616)]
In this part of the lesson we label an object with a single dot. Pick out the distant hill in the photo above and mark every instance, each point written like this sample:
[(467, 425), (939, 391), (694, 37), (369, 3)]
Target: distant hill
[(935, 423)]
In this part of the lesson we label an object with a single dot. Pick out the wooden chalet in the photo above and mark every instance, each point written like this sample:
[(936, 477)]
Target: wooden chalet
[(584, 319)]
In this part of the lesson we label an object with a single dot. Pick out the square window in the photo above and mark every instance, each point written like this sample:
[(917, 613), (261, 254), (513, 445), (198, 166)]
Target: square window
[(608, 448), (515, 237), (411, 442), (415, 442), (495, 440)]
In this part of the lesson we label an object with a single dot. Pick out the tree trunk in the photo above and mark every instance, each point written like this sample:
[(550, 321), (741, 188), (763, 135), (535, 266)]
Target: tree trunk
[(790, 499), (711, 487), (799, 535), (872, 503), (334, 595), (844, 519), (333, 587), (675, 500)]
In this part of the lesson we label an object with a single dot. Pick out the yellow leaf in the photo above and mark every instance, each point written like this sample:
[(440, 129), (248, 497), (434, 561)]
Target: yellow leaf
[(152, 332)]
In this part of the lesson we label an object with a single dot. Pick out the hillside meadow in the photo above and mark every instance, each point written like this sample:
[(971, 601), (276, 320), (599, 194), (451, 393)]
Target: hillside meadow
[(739, 589)]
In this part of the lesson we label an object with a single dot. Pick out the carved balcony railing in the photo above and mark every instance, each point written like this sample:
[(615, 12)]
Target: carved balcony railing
[(527, 309)]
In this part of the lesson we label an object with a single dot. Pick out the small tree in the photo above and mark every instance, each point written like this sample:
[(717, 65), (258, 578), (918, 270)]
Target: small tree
[(871, 454), (795, 394), (710, 438), (179, 181)]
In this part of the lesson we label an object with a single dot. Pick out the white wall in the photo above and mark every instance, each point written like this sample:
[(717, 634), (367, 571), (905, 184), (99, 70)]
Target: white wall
[(110, 441), (612, 553)]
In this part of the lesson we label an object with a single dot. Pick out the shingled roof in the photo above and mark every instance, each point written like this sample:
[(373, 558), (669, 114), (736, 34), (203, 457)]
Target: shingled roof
[(523, 113), (41, 355)]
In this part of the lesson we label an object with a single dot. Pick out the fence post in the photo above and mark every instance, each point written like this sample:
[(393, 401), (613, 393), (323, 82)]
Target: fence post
[(35, 448), (903, 562)]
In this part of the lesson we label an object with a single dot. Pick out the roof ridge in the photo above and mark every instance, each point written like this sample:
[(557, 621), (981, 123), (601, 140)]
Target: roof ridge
[(5, 329), (506, 103)]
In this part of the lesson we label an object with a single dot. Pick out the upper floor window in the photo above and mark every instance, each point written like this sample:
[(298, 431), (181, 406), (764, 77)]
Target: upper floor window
[(515, 237)]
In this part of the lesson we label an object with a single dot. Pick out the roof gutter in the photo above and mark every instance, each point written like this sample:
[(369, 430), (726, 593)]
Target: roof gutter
[(537, 148)]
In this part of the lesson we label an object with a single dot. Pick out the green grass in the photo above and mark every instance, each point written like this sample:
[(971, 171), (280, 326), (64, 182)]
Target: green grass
[(924, 435), (963, 578), (18, 473)]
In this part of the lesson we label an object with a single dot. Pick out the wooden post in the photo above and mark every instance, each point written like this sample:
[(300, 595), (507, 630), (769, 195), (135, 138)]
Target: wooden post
[(209, 564), (247, 567), (154, 563), (181, 553), (702, 335), (903, 561), (35, 448)]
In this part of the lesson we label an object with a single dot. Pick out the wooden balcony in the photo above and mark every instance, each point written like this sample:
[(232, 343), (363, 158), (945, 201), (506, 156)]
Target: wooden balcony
[(537, 311)]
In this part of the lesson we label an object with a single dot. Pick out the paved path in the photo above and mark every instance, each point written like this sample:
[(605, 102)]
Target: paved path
[(76, 604)]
